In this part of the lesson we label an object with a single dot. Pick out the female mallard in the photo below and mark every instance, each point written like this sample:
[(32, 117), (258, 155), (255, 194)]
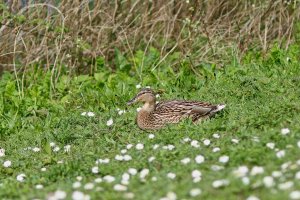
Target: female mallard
[(155, 116)]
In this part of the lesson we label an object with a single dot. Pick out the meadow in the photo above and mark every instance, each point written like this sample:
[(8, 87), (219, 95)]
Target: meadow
[(81, 141), (68, 69)]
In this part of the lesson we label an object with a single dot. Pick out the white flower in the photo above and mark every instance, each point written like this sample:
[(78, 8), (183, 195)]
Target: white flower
[(39, 186), (144, 173), (295, 195), (268, 181), (286, 185), (129, 195), (98, 180), (119, 157), (52, 144), (109, 122), (284, 166), (206, 142), (256, 170), (148, 87), (196, 173), (109, 178), (297, 175), (90, 114), (285, 131), (224, 159), (102, 161), (89, 186), (246, 180), (153, 179), (129, 146), (195, 143), (59, 194), (77, 195), (138, 109), (220, 183), (298, 144), (185, 161), (155, 146), (151, 159), (79, 178), (276, 174), (83, 114), (270, 145), (95, 170), (171, 175), (21, 177), (139, 146), (195, 192), (241, 171), (186, 139), (138, 86), (197, 179), (7, 163), (151, 136), (60, 162), (216, 149), (2, 152), (123, 151), (170, 196), (132, 171), (236, 141), (199, 159), (76, 184), (56, 149), (280, 154), (121, 112), (67, 148), (216, 135), (216, 167), (127, 157), (36, 149), (252, 198), (119, 187), (125, 178), (43, 169), (169, 147)]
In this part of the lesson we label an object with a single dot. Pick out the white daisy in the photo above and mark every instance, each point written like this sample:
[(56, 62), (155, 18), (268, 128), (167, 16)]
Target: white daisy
[(109, 122), (252, 198), (280, 154), (245, 180), (90, 114), (295, 195), (286, 185), (285, 131), (171, 175), (256, 170), (268, 181), (216, 135), (195, 143), (216, 167), (224, 159), (127, 157), (36, 149), (67, 148), (151, 136), (195, 192), (151, 159), (241, 171), (2, 152), (297, 175), (7, 163), (132, 171), (95, 170), (185, 161), (59, 194), (76, 184), (270, 145), (206, 142), (89, 186), (236, 141), (138, 86), (199, 159), (155, 146), (144, 173), (216, 149), (276, 174), (119, 187), (21, 177), (129, 146), (220, 183), (186, 139), (39, 186), (109, 178), (139, 146)]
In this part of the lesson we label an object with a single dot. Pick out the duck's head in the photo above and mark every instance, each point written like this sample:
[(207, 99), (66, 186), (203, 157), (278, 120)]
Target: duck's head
[(146, 95)]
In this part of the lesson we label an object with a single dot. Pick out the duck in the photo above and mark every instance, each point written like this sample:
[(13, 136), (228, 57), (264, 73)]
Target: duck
[(154, 116)]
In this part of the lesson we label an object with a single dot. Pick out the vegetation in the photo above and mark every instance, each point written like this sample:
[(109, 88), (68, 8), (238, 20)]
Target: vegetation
[(65, 129)]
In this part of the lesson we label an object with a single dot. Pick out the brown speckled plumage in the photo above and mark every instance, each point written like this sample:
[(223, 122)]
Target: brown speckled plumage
[(155, 116)]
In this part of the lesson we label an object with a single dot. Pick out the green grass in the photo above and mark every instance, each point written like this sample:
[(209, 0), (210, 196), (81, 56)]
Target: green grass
[(262, 97)]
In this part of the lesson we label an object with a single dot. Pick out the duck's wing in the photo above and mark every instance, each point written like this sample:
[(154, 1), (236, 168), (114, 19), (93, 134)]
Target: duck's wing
[(182, 107)]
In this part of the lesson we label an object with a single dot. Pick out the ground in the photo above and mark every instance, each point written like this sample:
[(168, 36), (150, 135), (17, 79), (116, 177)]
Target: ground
[(258, 135)]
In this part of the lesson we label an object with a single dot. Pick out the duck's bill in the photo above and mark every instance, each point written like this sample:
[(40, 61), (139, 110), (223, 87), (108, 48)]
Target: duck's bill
[(132, 101)]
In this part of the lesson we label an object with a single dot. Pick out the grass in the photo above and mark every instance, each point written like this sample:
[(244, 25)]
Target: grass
[(262, 97)]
